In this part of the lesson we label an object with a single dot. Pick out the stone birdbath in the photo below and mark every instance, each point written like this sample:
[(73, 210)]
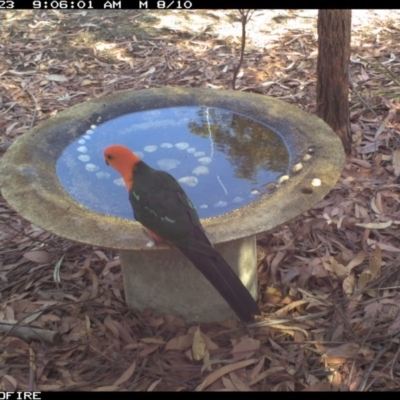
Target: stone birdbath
[(248, 163)]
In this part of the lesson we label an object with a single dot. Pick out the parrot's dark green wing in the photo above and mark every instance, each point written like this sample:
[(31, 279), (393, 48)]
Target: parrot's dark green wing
[(161, 205)]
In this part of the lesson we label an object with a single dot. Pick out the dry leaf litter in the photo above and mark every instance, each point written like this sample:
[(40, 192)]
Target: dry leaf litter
[(329, 280)]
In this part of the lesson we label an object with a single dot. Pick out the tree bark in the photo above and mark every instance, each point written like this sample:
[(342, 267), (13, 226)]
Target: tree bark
[(334, 33)]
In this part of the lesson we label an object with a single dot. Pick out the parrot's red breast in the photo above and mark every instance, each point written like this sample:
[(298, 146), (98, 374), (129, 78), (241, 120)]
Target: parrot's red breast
[(161, 205)]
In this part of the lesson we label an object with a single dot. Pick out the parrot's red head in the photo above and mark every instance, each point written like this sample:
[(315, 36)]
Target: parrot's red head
[(123, 160)]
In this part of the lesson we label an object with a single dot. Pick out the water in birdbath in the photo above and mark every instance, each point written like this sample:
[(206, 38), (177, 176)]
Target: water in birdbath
[(222, 159)]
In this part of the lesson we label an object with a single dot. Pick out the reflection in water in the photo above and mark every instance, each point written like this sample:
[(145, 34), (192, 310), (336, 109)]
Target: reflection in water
[(223, 160)]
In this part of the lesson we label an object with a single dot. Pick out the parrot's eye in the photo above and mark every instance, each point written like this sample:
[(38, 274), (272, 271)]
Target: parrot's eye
[(108, 158)]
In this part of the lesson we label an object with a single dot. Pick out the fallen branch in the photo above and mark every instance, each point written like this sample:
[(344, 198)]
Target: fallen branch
[(27, 333)]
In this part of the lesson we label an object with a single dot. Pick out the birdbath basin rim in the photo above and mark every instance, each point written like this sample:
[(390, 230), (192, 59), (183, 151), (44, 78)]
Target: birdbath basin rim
[(30, 184)]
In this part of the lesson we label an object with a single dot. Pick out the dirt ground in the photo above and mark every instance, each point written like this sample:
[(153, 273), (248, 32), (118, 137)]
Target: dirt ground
[(328, 280)]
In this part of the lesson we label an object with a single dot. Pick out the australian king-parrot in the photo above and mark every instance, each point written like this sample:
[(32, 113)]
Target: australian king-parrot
[(163, 208)]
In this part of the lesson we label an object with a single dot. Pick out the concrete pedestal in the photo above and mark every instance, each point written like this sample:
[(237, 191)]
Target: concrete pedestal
[(167, 282)]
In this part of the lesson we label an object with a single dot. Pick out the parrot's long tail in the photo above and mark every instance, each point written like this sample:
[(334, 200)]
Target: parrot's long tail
[(213, 266)]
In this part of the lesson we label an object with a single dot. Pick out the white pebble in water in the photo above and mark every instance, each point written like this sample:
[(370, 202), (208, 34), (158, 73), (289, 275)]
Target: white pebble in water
[(283, 178), (182, 145), (201, 170), (150, 148), (199, 154), (316, 182), (298, 167), (168, 163), (189, 180), (166, 145), (83, 158), (204, 206), (82, 149), (119, 182), (86, 137), (237, 199), (191, 150), (82, 141), (91, 167), (220, 203), (255, 192), (103, 175), (93, 126), (205, 160), (89, 132)]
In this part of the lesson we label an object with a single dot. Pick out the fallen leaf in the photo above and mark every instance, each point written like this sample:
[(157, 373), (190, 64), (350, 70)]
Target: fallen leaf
[(153, 385), (374, 268), (344, 351), (396, 161), (101, 255), (182, 342), (387, 247), (150, 71), (394, 326), (376, 225), (11, 127), (57, 78), (355, 262), (152, 340), (256, 370), (375, 263), (10, 383), (86, 82), (338, 268), (245, 348), (349, 284), (108, 322), (37, 256), (223, 371), (37, 314), (238, 383), (228, 384), (106, 389), (319, 387), (364, 279), (149, 349), (273, 295), (56, 272), (210, 345), (95, 284), (265, 374), (376, 204), (126, 375), (198, 346)]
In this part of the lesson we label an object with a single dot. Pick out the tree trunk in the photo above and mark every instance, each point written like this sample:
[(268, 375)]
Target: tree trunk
[(334, 32)]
